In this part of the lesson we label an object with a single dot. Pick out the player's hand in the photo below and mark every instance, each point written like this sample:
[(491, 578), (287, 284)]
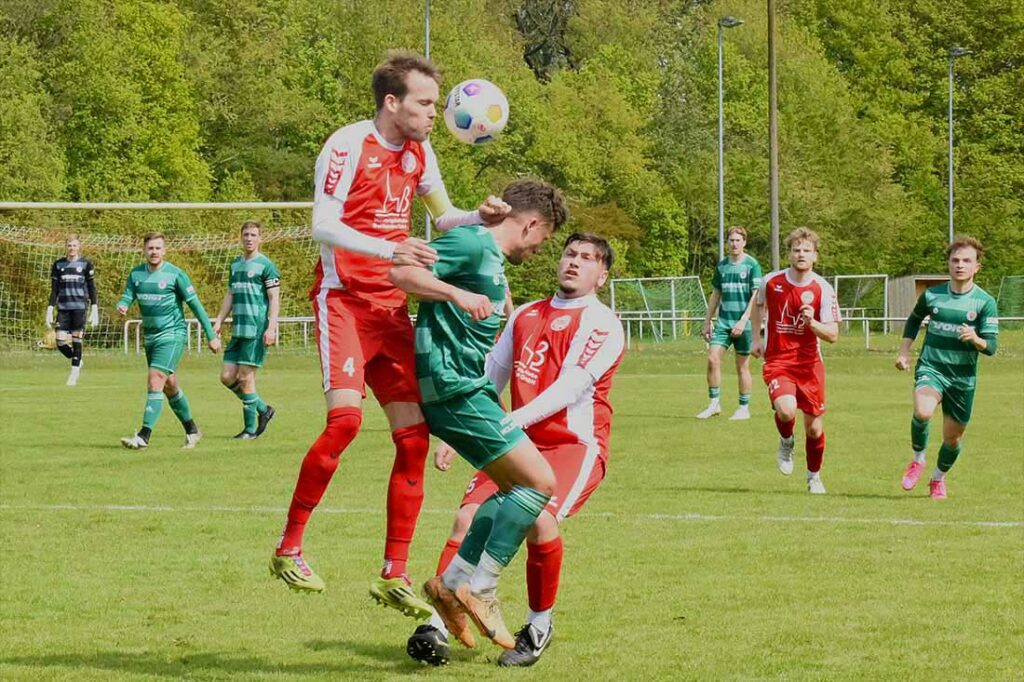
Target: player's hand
[(49, 316), (214, 344), (902, 362), (122, 310), (706, 331), (443, 456), (415, 252), (756, 348), (968, 334), (94, 316), (493, 210), (216, 326), (807, 314), (270, 336), (477, 306), (738, 329)]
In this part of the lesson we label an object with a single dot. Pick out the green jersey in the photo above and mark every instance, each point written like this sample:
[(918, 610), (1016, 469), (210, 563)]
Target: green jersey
[(450, 347), (735, 283), (943, 350), (160, 294), (250, 281)]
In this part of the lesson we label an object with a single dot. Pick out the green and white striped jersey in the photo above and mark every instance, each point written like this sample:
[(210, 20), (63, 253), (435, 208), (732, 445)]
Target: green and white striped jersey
[(736, 283), (250, 302), (160, 294), (943, 351)]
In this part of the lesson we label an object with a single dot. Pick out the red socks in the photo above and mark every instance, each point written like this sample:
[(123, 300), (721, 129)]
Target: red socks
[(451, 548), (785, 428), (317, 469), (815, 452), (543, 569), (405, 496)]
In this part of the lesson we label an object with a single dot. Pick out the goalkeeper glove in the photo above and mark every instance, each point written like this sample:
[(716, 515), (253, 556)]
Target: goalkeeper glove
[(49, 316), (94, 316)]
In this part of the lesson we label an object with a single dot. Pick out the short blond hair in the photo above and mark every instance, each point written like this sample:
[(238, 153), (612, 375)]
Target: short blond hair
[(965, 243), (737, 229), (802, 234), (150, 236)]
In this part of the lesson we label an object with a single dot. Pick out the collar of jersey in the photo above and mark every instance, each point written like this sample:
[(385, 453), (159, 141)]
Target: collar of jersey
[(383, 142), (810, 280), (581, 302)]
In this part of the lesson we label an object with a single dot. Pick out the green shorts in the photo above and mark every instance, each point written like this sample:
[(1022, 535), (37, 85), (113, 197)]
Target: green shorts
[(957, 399), (475, 425), (164, 352), (720, 336), (245, 351)]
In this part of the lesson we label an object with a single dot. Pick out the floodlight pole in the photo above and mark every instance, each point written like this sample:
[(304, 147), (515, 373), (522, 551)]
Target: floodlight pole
[(954, 53), (773, 138), (723, 23), (426, 53)]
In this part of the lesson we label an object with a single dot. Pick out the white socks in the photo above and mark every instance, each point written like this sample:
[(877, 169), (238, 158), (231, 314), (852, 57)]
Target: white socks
[(919, 457), (485, 577)]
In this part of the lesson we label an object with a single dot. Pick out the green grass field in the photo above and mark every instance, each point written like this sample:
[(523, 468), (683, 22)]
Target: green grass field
[(695, 560)]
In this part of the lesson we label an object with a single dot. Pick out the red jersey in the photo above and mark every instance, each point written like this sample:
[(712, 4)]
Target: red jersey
[(369, 184), (546, 337), (789, 341)]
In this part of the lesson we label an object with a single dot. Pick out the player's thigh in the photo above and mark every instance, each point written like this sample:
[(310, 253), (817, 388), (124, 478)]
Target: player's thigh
[(952, 430), (741, 344), (245, 352), (578, 471), (718, 343), (478, 489), (164, 352), (70, 320), (156, 379), (391, 369), (523, 465), (810, 390), (342, 360), (958, 404), (926, 399), (782, 391), (475, 425)]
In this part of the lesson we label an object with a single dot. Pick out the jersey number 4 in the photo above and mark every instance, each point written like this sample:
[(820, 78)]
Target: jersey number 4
[(349, 367)]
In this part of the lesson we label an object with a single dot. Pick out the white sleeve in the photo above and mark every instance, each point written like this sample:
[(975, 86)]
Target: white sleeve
[(828, 310), (431, 180), (335, 171), (571, 384), (435, 196), (499, 362)]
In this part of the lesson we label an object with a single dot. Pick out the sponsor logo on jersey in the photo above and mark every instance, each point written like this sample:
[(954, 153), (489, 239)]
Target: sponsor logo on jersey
[(408, 162), (743, 275), (971, 315), (777, 288), (561, 323), (162, 285), (334, 170), (395, 212), (944, 326), (807, 297), (250, 273), (373, 162), (789, 323)]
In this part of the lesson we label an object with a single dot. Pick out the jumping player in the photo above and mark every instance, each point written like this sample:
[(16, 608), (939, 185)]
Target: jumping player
[(161, 288), (560, 354), (72, 290), (801, 311), (736, 282), (366, 177), (457, 323), (964, 321), (253, 301)]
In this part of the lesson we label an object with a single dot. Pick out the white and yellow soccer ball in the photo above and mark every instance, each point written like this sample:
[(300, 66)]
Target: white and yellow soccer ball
[(476, 111)]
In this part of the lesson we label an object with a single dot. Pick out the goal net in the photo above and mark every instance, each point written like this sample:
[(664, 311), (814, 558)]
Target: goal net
[(203, 245), (1011, 300), (660, 308)]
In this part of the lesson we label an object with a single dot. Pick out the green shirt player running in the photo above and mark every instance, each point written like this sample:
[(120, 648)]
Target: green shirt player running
[(160, 288), (456, 327), (736, 280), (253, 301), (963, 322)]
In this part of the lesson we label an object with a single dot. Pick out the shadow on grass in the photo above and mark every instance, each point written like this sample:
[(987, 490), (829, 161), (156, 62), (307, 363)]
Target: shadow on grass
[(382, 659), (799, 492)]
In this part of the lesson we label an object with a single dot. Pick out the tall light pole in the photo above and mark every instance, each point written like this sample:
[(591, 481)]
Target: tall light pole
[(426, 53), (954, 54), (723, 23), (773, 138)]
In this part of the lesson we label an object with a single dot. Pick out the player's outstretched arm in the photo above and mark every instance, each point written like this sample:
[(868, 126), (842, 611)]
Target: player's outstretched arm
[(222, 314), (127, 298), (422, 283), (910, 331)]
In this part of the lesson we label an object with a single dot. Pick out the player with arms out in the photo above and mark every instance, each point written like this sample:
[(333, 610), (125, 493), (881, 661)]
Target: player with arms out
[(801, 311), (366, 177), (161, 288), (736, 281), (253, 301), (72, 291), (964, 321), (560, 354), (458, 320)]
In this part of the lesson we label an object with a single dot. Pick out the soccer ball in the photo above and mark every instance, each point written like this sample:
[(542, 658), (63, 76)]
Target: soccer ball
[(476, 111)]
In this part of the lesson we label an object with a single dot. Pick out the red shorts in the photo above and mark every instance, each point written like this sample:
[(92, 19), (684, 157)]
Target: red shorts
[(806, 382), (578, 472), (363, 343)]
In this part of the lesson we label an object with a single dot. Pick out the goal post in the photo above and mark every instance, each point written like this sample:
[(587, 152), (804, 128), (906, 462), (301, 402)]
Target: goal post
[(861, 296), (659, 307)]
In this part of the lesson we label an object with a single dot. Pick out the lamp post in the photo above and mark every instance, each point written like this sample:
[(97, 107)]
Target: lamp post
[(426, 53), (954, 54), (723, 23)]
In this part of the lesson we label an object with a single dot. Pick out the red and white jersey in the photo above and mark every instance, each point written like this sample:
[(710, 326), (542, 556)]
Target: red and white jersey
[(369, 183), (546, 337), (789, 340)]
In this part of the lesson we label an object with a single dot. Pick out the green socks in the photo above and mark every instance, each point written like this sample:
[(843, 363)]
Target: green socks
[(919, 434), (947, 456), (483, 521), (179, 403), (515, 516), (154, 406), (714, 392), (250, 407), (744, 398)]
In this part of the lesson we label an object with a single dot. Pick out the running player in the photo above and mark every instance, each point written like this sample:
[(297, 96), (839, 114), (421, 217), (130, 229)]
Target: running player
[(72, 290), (801, 310), (253, 301), (455, 329), (736, 281), (161, 288), (964, 321), (560, 354), (366, 177)]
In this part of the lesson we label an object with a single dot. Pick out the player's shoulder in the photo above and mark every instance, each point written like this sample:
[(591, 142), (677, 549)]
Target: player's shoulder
[(775, 276), (750, 261), (822, 282), (983, 294), (349, 136), (599, 315)]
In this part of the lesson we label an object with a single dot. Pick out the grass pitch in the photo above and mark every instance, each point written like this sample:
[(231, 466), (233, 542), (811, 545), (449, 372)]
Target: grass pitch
[(695, 560)]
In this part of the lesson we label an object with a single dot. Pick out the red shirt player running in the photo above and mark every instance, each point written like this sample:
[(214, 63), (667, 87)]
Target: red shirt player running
[(560, 354), (366, 177), (801, 308)]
